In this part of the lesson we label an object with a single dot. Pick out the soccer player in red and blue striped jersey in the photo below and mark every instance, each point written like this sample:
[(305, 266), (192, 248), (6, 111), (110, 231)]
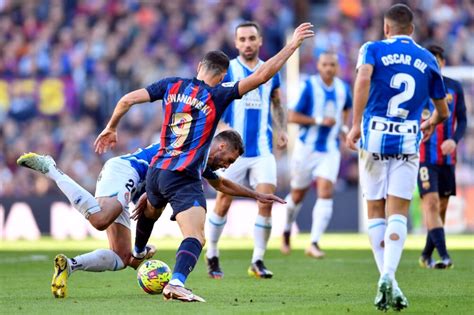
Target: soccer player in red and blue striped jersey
[(192, 109), (436, 176)]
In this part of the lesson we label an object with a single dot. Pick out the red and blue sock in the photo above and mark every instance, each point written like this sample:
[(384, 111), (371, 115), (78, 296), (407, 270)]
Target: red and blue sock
[(186, 258)]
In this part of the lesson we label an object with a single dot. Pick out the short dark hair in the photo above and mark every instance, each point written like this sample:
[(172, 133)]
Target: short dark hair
[(249, 24), (216, 61), (233, 139), (437, 51), (401, 14)]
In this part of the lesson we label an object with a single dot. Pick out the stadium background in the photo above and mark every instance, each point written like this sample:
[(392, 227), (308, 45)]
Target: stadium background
[(64, 64)]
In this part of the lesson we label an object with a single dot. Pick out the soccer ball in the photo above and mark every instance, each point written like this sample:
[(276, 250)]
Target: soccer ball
[(153, 276)]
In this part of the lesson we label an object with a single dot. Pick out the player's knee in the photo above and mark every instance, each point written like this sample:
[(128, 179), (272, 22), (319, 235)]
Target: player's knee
[(222, 206), (99, 222)]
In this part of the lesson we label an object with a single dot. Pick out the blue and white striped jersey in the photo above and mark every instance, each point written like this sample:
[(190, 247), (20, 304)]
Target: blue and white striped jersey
[(141, 159), (318, 100), (405, 77), (251, 116)]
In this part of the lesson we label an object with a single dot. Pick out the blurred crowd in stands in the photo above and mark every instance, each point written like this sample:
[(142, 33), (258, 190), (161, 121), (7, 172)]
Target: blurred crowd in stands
[(64, 64)]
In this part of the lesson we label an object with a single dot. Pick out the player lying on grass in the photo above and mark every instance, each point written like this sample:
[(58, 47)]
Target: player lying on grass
[(192, 107), (120, 181)]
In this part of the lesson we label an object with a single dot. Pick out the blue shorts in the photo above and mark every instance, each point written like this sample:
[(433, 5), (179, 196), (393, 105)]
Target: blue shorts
[(437, 178), (179, 189)]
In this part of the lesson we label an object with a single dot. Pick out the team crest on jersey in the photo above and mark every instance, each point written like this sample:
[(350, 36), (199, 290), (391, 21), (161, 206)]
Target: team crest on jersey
[(449, 98), (228, 84)]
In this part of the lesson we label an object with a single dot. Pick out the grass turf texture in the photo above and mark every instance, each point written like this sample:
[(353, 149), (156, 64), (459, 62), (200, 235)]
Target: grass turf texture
[(343, 282)]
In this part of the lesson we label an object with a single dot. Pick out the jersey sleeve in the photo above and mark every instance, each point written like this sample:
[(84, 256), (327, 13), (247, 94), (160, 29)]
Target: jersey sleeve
[(436, 86), (303, 104), (225, 93), (366, 55), (157, 90), (348, 103), (209, 174), (461, 118)]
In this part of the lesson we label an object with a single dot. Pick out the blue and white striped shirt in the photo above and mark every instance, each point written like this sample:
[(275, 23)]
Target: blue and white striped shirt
[(251, 115), (316, 99)]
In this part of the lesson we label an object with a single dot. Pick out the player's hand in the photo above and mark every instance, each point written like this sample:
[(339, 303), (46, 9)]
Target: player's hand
[(139, 207), (428, 128), (268, 198), (305, 30), (448, 146), (328, 122), (107, 139), (353, 137), (282, 140)]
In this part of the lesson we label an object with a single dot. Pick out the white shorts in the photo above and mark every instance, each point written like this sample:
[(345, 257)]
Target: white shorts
[(382, 175), (260, 169), (307, 165), (118, 178)]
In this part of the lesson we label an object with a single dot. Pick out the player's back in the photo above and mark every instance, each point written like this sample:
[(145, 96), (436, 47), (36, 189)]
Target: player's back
[(191, 110), (405, 76), (140, 159), (251, 115)]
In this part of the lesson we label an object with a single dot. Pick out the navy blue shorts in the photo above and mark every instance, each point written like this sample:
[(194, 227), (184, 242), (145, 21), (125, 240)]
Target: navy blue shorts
[(179, 189), (437, 178)]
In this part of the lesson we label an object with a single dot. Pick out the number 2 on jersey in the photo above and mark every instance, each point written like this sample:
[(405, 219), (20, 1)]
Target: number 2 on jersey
[(180, 126), (396, 100)]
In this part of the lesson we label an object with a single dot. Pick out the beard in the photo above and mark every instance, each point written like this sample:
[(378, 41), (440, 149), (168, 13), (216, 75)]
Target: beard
[(251, 55)]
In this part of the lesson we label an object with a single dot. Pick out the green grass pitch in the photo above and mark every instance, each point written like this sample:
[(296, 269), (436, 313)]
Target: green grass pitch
[(342, 283)]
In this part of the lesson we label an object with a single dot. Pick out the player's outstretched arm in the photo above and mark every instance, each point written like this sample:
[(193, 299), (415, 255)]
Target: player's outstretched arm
[(108, 137), (440, 114), (231, 188), (361, 96), (266, 71)]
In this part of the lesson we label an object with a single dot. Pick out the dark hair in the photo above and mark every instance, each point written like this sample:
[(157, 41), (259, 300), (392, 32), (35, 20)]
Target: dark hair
[(249, 24), (233, 139), (437, 51), (215, 61), (401, 14)]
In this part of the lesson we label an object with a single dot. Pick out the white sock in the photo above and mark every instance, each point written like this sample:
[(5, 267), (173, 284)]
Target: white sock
[(216, 226), (176, 282), (96, 261), (376, 232), (79, 198), (292, 211), (396, 228), (322, 213), (261, 232)]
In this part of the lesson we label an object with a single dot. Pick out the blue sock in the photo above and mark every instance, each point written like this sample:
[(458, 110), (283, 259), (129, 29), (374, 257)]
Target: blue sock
[(143, 232), (439, 240), (186, 258), (429, 247)]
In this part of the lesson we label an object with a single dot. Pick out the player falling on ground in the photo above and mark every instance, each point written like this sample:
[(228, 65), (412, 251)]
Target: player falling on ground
[(251, 116), (192, 109), (436, 176), (321, 110), (118, 179), (395, 80)]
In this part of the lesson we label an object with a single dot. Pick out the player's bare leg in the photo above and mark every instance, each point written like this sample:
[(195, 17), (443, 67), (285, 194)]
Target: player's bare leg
[(191, 223), (294, 202), (217, 220), (322, 213), (262, 230)]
